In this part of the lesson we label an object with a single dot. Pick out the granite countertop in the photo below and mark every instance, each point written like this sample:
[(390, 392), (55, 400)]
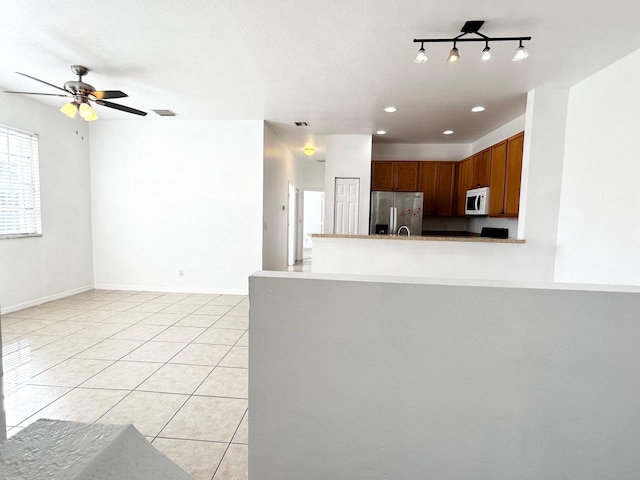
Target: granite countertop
[(427, 238)]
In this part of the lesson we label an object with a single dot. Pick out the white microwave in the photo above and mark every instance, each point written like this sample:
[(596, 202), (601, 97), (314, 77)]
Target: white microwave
[(477, 201)]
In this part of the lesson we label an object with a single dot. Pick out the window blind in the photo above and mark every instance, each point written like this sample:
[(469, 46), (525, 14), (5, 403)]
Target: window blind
[(19, 184)]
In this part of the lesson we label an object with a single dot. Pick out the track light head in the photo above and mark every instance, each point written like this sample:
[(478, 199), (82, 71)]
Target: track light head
[(486, 55), (454, 55), (521, 53), (422, 56)]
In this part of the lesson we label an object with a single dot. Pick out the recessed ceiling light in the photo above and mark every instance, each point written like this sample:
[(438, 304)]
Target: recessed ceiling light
[(448, 132), (381, 132), (390, 109), (478, 108)]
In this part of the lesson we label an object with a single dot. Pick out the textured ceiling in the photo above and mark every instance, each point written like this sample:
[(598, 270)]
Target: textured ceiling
[(332, 63)]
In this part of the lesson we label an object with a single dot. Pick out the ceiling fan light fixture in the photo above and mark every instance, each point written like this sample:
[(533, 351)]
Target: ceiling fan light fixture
[(87, 113), (454, 55), (70, 109), (521, 53)]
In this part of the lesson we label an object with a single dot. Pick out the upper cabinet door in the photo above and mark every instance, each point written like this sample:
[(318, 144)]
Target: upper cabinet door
[(465, 174), (482, 168), (446, 180), (429, 187), (515, 146), (498, 165), (387, 175), (382, 175), (406, 176)]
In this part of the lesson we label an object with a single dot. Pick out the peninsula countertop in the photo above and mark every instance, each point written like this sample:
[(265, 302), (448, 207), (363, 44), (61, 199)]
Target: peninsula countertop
[(422, 238)]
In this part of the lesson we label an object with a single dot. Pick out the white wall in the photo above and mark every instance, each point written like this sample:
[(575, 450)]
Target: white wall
[(311, 175), (171, 195), (348, 156), (377, 380), (505, 131), (34, 270), (279, 171), (598, 230), (422, 151)]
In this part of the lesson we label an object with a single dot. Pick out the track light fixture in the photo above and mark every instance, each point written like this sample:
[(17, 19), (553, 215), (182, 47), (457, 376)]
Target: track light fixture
[(471, 26)]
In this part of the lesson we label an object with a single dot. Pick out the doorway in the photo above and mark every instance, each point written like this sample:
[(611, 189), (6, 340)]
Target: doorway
[(313, 219), (292, 224)]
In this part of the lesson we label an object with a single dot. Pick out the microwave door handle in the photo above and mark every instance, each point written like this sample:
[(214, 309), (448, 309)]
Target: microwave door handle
[(478, 203)]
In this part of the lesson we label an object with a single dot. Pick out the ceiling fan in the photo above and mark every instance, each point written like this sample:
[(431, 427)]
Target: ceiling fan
[(81, 94)]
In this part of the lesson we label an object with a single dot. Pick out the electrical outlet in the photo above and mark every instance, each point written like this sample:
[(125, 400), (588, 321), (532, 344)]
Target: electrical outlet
[(181, 272)]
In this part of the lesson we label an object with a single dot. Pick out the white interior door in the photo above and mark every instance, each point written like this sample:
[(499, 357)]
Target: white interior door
[(347, 203)]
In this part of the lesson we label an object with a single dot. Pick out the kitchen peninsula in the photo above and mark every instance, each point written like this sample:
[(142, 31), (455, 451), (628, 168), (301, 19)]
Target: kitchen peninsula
[(471, 257)]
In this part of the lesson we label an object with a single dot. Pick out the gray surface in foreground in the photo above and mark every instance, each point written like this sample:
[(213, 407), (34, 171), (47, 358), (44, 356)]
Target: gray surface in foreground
[(366, 380), (55, 449)]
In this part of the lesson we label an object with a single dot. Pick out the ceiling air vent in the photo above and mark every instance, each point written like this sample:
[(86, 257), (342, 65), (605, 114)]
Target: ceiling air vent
[(166, 113), (301, 124)]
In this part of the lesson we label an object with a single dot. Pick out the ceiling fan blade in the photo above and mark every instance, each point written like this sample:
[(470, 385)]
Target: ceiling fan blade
[(37, 93), (42, 81), (103, 94), (121, 107)]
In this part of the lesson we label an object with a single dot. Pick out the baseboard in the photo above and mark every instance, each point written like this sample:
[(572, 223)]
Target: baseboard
[(41, 300), (151, 288)]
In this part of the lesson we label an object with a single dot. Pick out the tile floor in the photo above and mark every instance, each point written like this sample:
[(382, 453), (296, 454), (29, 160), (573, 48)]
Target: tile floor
[(173, 365)]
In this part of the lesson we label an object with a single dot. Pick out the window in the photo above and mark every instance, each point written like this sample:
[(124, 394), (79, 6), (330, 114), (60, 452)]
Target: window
[(19, 184)]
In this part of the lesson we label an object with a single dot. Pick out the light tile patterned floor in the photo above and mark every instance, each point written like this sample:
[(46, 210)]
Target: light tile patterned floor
[(174, 365)]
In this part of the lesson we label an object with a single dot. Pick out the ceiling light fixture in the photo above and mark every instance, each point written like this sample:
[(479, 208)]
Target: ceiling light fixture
[(422, 56), (70, 109), (471, 26), (478, 108), (82, 106), (486, 55), (309, 151), (390, 109), (521, 53), (448, 132), (87, 113), (454, 55), (381, 132)]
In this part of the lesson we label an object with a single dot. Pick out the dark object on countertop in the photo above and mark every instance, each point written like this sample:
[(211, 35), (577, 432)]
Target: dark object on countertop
[(447, 233), (382, 228), (494, 232)]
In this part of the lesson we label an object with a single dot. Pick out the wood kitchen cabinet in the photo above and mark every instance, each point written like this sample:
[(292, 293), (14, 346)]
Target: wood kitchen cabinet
[(393, 176), (515, 147), (436, 182), (428, 185), (506, 172), (446, 187), (382, 176), (481, 169), (465, 178), (498, 175)]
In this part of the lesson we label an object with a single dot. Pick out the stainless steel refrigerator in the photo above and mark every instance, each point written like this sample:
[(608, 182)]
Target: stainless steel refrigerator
[(392, 210)]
